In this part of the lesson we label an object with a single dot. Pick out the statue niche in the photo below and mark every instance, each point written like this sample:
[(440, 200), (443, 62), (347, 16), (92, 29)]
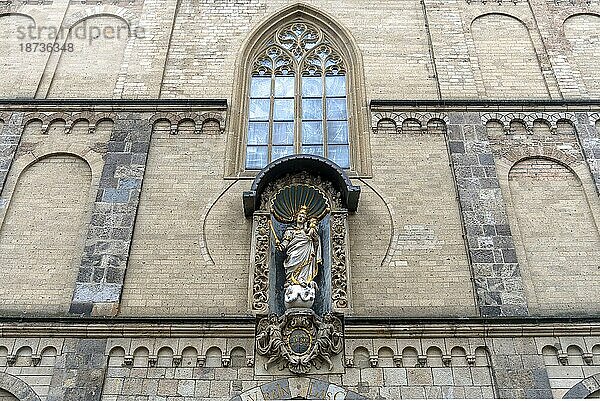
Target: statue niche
[(299, 272), (300, 267)]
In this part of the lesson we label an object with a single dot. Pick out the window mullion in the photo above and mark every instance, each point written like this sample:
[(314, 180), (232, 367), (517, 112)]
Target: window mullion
[(324, 107), (271, 119), (298, 112)]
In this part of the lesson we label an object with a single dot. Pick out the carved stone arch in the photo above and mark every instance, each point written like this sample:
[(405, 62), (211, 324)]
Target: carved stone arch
[(17, 387), (435, 116), (344, 42), (528, 24), (13, 11), (584, 388), (43, 117), (497, 117), (594, 118), (556, 117), (218, 117), (4, 116), (567, 14), (172, 118), (378, 117), (519, 154), (525, 118), (299, 388), (106, 10)]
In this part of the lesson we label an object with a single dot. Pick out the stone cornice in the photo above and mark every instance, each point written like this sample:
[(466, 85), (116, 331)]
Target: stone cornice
[(110, 105), (492, 105), (244, 326)]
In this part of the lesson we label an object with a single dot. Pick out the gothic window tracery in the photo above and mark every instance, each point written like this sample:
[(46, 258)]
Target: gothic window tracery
[(298, 98)]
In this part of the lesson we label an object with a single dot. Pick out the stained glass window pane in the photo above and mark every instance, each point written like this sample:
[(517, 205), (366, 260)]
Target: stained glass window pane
[(258, 133), (312, 132), (312, 87), (336, 109), (284, 86), (283, 109), (313, 150), (283, 133), (312, 109), (260, 87), (339, 154), (335, 85), (337, 132), (256, 157), (259, 109), (281, 151)]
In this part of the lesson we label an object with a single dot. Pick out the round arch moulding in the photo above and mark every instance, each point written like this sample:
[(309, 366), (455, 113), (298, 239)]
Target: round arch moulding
[(316, 165)]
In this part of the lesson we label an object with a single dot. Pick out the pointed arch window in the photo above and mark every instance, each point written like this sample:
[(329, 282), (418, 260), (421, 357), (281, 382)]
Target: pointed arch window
[(298, 98)]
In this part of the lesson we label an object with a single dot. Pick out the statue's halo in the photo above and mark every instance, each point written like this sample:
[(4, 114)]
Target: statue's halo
[(288, 201)]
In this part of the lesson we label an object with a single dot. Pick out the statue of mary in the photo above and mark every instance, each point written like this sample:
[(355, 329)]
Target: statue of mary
[(302, 246)]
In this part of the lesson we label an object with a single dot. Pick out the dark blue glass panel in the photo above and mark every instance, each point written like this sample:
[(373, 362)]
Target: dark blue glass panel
[(337, 132)]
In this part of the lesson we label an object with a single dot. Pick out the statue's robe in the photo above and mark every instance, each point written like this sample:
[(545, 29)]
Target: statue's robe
[(303, 256)]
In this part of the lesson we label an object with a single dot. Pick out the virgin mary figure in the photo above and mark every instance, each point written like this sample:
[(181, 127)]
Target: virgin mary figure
[(302, 245)]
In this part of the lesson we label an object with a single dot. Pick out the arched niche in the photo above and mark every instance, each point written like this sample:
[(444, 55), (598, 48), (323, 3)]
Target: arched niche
[(507, 58), (587, 388), (89, 66), (273, 202), (13, 385)]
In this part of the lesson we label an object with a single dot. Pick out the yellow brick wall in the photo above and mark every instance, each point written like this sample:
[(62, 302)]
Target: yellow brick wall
[(167, 272), (92, 68), (581, 32), (556, 236), (42, 236), (20, 69), (413, 176), (507, 58)]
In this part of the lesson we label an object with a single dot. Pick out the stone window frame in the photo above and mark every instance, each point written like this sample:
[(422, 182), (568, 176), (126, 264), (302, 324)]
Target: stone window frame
[(343, 41)]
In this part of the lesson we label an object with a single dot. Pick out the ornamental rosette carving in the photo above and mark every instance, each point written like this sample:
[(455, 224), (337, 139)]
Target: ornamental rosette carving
[(299, 340), (261, 264), (339, 268)]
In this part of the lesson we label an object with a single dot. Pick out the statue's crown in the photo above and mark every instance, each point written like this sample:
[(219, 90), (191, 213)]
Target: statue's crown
[(303, 209)]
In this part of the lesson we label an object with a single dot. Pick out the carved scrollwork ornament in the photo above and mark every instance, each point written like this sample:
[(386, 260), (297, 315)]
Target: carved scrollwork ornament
[(299, 340), (261, 264), (339, 276)]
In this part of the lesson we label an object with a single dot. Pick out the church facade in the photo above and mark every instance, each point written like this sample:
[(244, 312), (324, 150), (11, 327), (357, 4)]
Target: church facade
[(255, 200)]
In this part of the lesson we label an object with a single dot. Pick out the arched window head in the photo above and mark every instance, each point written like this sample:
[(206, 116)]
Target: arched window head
[(297, 98)]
